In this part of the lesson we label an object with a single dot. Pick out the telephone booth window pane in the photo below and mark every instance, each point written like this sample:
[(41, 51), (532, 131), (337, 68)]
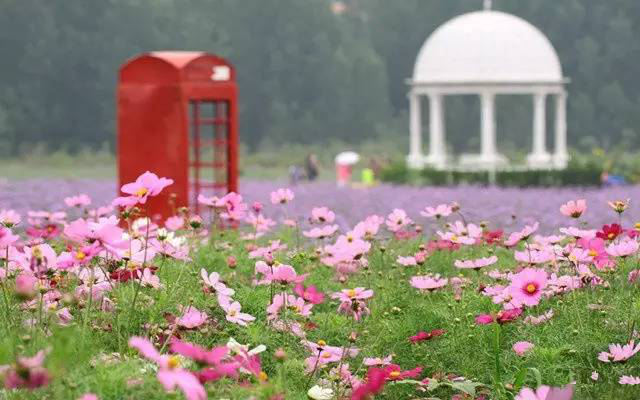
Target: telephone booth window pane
[(209, 132)]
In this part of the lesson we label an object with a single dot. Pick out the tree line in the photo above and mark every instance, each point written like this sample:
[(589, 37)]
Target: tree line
[(310, 71)]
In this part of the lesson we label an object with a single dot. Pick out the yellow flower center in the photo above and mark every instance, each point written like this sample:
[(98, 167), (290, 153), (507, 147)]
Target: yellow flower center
[(454, 238), (173, 362), (80, 255), (232, 313), (593, 253), (611, 235), (394, 374), (322, 343), (326, 355), (531, 288), (262, 376), (142, 191), (351, 293)]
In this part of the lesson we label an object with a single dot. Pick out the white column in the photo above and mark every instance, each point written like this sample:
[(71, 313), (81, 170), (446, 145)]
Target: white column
[(437, 151), (561, 156), (488, 127), (415, 159), (539, 157)]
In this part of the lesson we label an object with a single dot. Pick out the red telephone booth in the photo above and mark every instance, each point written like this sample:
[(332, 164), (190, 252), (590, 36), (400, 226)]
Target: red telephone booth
[(177, 117)]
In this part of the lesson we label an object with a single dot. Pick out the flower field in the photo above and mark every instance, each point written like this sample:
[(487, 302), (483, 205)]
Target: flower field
[(317, 292)]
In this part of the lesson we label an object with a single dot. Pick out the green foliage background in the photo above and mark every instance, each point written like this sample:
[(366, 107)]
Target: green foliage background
[(306, 75)]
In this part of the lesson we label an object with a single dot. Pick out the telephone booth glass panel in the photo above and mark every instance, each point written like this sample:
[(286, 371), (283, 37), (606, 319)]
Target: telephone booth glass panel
[(209, 134)]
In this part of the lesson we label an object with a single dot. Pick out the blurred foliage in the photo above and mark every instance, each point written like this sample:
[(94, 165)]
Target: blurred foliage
[(306, 75), (580, 172)]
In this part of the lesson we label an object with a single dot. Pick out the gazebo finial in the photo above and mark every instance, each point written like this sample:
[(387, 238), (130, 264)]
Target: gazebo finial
[(487, 5)]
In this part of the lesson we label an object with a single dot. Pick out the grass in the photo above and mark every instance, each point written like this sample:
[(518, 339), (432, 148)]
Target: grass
[(91, 355)]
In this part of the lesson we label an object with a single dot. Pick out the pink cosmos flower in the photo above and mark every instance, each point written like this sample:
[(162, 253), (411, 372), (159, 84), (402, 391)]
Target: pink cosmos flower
[(81, 200), (310, 294), (9, 218), (367, 228), (282, 196), (321, 233), (297, 304), (522, 348), (89, 396), (192, 318), (527, 285), (574, 209), (397, 220), (285, 274), (26, 285), (625, 247), (546, 393), (359, 293), (28, 373), (213, 281), (322, 215), (149, 279), (174, 223), (429, 283), (579, 233), (170, 375), (595, 376), (476, 264), (274, 246), (377, 361), (441, 210), (322, 354), (619, 353), (235, 314), (145, 186), (78, 257), (7, 238), (534, 256), (533, 320), (629, 380), (524, 234), (407, 261)]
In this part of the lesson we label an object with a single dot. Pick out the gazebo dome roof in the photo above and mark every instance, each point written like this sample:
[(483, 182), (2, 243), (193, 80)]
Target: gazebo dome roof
[(487, 47)]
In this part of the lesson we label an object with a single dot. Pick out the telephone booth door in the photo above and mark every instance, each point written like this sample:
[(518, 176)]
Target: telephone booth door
[(209, 149)]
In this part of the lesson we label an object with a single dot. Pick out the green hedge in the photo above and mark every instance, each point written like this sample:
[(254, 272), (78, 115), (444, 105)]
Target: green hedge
[(576, 174)]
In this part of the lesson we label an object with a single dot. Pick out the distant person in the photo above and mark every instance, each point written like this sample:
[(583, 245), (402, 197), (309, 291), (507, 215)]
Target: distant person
[(312, 167), (295, 175), (606, 179)]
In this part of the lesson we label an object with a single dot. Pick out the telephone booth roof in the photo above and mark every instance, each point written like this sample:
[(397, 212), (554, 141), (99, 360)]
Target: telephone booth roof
[(176, 66)]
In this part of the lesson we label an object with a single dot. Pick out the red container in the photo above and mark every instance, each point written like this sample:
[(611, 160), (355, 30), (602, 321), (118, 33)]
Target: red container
[(177, 117)]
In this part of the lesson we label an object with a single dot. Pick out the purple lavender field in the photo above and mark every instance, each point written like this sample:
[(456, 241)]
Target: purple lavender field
[(504, 207)]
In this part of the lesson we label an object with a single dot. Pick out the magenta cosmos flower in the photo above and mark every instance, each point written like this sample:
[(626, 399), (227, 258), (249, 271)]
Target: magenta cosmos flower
[(526, 286), (574, 209), (310, 294), (430, 283)]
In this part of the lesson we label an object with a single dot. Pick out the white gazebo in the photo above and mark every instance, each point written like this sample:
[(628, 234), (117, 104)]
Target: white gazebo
[(487, 53)]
